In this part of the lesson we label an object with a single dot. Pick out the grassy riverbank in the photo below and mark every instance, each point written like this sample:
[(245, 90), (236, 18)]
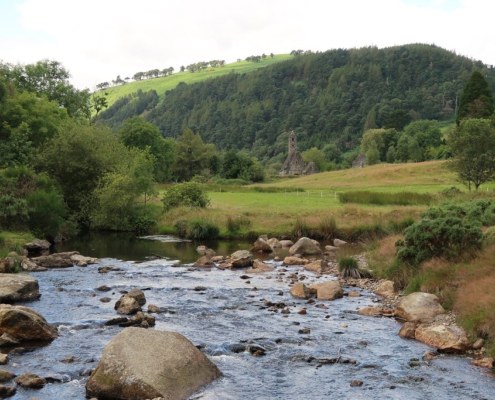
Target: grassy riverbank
[(13, 241)]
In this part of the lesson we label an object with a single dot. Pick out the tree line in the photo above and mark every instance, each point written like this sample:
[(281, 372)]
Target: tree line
[(327, 98), (61, 171)]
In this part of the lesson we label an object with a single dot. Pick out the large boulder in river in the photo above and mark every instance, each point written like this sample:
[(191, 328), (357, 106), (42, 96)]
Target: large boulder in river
[(145, 364), (329, 290), (419, 307), (447, 338), (241, 259), (293, 260), (305, 246), (18, 287), (21, 324)]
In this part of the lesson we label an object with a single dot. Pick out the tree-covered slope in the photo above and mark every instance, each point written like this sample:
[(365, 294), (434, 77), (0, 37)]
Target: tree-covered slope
[(325, 97)]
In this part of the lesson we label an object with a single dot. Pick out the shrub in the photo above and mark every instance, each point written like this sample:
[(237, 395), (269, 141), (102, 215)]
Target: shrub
[(203, 230), (327, 228), (235, 224), (378, 198), (445, 237), (301, 228), (349, 268), (190, 194), (181, 228)]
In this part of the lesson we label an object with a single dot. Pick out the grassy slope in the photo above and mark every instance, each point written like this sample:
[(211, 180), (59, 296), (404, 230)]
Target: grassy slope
[(162, 84), (429, 176)]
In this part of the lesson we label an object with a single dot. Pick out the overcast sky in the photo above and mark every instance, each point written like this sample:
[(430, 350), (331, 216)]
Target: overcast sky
[(98, 39)]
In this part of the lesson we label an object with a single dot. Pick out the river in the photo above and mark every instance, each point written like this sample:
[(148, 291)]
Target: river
[(225, 314)]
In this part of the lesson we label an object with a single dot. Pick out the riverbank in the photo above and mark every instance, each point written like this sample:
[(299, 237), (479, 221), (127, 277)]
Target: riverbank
[(231, 315)]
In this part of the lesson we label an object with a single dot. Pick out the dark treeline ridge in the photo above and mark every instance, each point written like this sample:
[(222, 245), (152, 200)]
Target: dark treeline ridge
[(329, 97)]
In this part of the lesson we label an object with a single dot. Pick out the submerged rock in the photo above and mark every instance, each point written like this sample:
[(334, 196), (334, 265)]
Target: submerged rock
[(20, 324), (31, 381), (18, 287), (145, 364)]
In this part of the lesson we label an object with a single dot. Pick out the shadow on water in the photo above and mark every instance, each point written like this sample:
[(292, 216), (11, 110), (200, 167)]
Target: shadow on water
[(127, 246)]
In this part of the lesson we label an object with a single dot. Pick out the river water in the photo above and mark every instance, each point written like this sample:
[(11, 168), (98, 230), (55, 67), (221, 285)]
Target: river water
[(227, 316)]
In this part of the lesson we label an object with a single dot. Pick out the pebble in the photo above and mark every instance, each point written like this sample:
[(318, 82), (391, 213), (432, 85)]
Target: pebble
[(356, 383)]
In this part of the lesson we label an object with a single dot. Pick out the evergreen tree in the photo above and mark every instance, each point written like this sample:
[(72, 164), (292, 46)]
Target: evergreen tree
[(476, 99)]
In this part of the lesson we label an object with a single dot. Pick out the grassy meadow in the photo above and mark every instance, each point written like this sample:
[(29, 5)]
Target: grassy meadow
[(162, 84), (279, 211)]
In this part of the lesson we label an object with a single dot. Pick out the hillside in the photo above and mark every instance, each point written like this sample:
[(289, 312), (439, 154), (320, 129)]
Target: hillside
[(163, 84), (328, 97)]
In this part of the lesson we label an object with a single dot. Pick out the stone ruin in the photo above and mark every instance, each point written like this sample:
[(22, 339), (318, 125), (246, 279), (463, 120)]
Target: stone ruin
[(294, 164)]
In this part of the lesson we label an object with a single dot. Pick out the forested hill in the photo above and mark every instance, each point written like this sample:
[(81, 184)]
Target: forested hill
[(324, 97)]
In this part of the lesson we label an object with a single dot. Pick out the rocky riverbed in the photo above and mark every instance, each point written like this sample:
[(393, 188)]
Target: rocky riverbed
[(267, 343)]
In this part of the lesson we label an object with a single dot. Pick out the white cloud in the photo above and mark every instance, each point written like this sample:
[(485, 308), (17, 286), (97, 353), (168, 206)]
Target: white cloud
[(96, 40)]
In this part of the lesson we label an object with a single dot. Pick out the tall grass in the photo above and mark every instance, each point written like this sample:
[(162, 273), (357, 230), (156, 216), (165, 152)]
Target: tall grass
[(383, 198)]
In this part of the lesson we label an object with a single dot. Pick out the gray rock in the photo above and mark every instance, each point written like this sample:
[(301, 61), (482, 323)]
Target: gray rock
[(24, 324), (145, 364), (18, 287), (241, 259), (419, 307), (305, 246)]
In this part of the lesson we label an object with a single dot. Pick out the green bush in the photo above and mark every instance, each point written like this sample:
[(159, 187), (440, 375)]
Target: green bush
[(189, 194), (203, 230), (445, 237), (181, 228), (378, 198), (301, 228), (349, 268)]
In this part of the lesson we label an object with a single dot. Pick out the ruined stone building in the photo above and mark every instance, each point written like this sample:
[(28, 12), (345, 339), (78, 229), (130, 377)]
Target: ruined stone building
[(294, 163)]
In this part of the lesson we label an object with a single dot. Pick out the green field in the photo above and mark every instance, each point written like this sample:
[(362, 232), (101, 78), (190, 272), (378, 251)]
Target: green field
[(163, 84), (278, 212)]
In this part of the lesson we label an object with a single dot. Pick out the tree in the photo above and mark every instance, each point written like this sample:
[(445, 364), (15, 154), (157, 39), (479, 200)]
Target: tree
[(49, 78), (139, 133), (473, 148), (476, 99), (117, 198), (78, 157), (99, 102), (372, 155), (317, 156), (192, 156)]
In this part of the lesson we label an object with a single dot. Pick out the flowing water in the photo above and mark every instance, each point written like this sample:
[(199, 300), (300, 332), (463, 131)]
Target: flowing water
[(227, 316)]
